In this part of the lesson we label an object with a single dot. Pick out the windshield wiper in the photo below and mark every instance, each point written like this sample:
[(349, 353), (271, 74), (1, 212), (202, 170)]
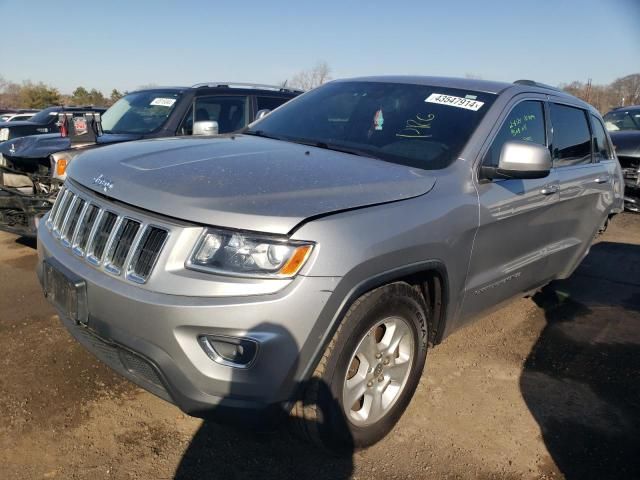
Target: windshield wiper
[(261, 133), (314, 143), (340, 148)]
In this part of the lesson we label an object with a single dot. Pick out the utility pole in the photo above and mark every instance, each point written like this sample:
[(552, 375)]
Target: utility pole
[(588, 95)]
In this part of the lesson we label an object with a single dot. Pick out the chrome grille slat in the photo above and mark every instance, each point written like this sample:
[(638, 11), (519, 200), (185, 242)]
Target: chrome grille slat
[(56, 206), (106, 228), (148, 253), (67, 215), (81, 225), (110, 241), (93, 233), (133, 251), (60, 214), (120, 245), (69, 228)]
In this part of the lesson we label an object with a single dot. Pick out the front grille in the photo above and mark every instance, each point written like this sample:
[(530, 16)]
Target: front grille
[(114, 242)]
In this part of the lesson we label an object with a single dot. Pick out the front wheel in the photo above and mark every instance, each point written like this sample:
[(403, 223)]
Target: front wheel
[(369, 371)]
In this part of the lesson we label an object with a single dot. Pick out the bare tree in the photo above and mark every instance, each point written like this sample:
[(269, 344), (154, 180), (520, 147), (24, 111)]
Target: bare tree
[(627, 89), (312, 78)]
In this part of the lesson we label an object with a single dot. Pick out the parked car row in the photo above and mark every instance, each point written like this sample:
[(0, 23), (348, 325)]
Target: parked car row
[(303, 263), (34, 162), (16, 115)]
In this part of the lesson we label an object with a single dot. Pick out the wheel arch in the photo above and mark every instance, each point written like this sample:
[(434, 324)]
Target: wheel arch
[(429, 276)]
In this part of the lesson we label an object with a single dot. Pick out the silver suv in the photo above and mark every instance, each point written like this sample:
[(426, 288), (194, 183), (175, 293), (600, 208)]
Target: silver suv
[(306, 265)]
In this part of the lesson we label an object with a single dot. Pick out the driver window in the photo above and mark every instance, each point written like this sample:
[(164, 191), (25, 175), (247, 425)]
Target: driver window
[(229, 111), (525, 122)]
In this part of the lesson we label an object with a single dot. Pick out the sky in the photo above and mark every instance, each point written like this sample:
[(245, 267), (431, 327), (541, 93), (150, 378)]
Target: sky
[(128, 44)]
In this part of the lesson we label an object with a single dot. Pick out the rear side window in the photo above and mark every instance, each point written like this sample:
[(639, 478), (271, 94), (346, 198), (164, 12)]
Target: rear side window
[(270, 103), (571, 136), (525, 123), (601, 147)]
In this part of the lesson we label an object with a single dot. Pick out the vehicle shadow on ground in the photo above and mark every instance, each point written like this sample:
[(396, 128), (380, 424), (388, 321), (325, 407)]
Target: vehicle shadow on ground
[(581, 380), (272, 451), (30, 242)]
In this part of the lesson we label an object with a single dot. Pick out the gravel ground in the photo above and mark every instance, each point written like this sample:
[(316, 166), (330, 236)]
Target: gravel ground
[(545, 387)]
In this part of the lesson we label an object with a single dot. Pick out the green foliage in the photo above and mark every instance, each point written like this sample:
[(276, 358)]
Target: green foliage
[(116, 95), (81, 96), (38, 95)]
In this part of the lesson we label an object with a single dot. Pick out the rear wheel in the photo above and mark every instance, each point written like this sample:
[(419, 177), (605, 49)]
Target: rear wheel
[(369, 371)]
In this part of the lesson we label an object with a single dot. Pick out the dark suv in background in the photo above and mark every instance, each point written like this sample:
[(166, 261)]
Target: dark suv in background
[(33, 168), (623, 124), (45, 121)]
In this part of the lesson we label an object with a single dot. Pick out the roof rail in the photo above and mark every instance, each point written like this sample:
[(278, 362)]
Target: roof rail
[(533, 83), (246, 85)]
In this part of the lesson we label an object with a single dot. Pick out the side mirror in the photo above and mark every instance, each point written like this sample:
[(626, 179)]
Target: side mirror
[(208, 127), (519, 159), (262, 113)]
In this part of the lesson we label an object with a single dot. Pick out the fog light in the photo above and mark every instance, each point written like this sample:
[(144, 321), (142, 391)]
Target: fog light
[(229, 351)]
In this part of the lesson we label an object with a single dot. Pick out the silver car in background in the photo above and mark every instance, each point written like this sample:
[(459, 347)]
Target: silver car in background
[(306, 265)]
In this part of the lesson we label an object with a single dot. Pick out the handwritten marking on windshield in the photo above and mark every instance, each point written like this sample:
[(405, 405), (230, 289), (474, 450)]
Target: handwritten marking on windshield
[(415, 128)]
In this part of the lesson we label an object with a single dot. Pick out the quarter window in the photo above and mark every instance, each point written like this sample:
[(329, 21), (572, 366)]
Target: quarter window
[(571, 136), (601, 146), (270, 103), (525, 123)]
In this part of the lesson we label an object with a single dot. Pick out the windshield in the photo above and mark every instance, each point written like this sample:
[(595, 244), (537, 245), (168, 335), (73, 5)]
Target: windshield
[(47, 115), (140, 112), (417, 125), (623, 120)]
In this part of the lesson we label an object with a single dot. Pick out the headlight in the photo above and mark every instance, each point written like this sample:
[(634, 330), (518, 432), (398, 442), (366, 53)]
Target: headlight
[(4, 134), (246, 255), (60, 161)]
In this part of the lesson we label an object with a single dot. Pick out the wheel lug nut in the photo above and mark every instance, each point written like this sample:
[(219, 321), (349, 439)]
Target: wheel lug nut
[(370, 384), (378, 355), (386, 361), (380, 378)]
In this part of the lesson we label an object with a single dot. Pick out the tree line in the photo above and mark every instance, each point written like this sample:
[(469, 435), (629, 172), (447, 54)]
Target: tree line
[(621, 92), (40, 95)]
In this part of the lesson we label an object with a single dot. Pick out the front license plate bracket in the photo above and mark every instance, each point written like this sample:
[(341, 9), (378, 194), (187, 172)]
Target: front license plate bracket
[(66, 290)]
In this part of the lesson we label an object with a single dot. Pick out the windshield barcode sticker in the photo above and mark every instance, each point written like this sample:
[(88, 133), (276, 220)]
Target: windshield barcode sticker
[(459, 102), (163, 102)]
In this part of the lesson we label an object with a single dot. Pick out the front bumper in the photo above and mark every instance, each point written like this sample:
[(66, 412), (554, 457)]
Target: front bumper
[(632, 196), (151, 338), (20, 211)]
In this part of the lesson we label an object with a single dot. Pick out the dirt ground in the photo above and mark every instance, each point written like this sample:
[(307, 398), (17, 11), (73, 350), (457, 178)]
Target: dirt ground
[(546, 387)]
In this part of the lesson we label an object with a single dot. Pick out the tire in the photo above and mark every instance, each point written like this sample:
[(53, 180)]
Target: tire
[(321, 415)]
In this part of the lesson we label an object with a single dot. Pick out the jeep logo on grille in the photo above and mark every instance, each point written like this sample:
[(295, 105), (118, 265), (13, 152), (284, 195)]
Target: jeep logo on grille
[(103, 182)]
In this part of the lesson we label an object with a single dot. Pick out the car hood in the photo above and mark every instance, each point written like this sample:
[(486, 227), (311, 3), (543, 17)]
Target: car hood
[(243, 182), (41, 146), (627, 143)]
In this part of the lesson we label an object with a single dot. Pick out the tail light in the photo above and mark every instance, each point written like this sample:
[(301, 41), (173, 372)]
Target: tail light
[(63, 123)]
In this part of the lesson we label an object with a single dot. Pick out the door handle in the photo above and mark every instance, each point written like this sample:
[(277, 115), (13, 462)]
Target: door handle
[(602, 179), (549, 189)]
